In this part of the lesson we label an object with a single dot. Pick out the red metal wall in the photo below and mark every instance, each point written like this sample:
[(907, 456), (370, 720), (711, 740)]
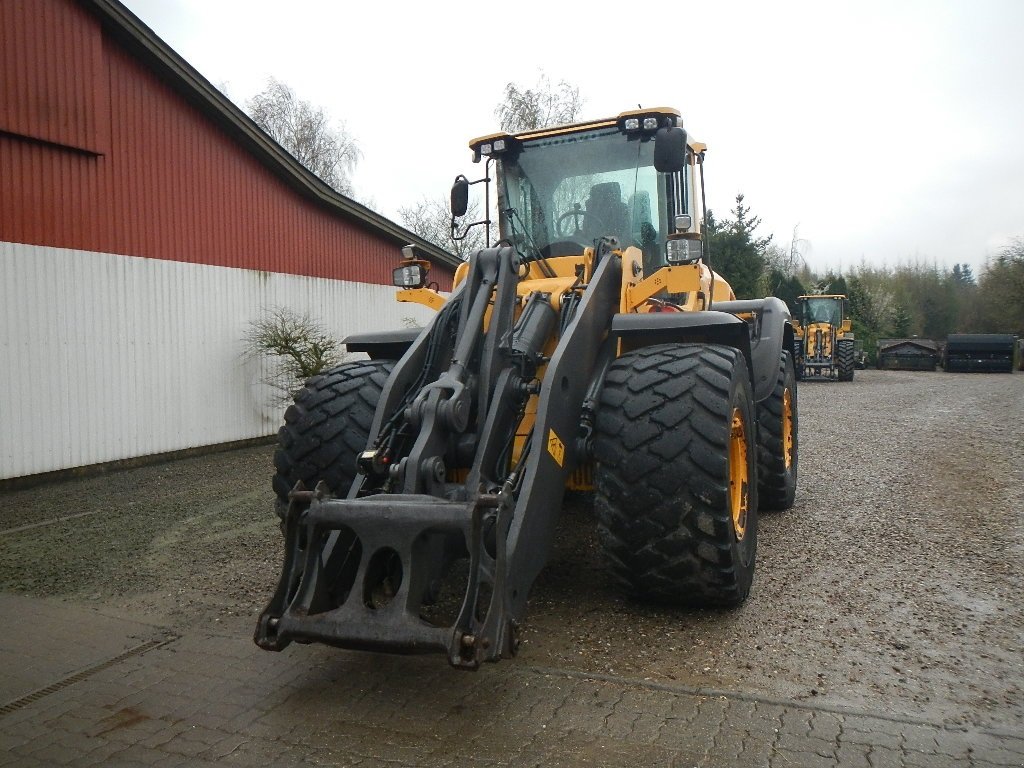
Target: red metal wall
[(51, 74), (170, 184)]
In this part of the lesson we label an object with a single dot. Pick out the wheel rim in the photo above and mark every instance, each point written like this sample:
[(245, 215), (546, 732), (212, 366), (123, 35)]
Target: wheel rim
[(787, 429), (738, 476)]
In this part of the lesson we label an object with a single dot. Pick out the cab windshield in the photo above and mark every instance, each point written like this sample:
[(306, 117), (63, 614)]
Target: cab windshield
[(823, 311), (563, 193)]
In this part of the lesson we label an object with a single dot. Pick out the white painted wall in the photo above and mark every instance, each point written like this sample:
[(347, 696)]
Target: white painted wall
[(106, 357)]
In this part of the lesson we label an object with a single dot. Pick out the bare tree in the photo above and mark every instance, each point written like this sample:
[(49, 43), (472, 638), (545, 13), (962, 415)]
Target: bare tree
[(295, 346), (431, 220), (307, 132), (526, 109), (787, 262)]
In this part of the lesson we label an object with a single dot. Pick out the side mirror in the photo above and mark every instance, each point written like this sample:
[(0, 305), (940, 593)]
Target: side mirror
[(670, 150), (460, 196)]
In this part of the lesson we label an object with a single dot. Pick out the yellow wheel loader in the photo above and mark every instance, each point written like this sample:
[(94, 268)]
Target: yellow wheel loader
[(591, 346), (826, 348)]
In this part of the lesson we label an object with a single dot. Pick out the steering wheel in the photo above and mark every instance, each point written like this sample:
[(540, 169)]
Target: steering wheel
[(576, 214)]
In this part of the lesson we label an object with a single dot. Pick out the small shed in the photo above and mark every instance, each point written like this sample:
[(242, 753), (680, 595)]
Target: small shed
[(908, 354)]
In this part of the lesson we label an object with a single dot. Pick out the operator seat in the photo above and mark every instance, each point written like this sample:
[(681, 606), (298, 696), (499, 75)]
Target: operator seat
[(606, 213)]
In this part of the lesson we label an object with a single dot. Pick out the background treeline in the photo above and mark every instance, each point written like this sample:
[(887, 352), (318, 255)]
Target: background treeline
[(910, 299)]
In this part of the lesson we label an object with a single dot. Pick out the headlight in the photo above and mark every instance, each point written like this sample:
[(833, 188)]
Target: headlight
[(634, 123), (489, 146), (682, 251), (409, 276)]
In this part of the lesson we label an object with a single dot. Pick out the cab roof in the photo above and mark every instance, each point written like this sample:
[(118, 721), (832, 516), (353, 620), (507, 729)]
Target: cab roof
[(662, 113)]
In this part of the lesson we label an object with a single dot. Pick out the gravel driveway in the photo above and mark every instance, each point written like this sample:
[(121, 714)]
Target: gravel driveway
[(893, 585)]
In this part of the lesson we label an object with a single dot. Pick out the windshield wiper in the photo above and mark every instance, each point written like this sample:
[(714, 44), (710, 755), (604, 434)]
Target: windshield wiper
[(541, 260)]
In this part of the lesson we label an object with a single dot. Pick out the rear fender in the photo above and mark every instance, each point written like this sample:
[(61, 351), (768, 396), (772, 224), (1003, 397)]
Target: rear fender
[(383, 345)]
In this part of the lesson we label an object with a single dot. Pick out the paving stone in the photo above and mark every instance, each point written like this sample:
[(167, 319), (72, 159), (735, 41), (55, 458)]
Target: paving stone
[(852, 756), (825, 726), (892, 741), (787, 758), (982, 742), (921, 739), (106, 751), (923, 760), (952, 743), (211, 699), (135, 755), (883, 757), (798, 742), (52, 754), (995, 756)]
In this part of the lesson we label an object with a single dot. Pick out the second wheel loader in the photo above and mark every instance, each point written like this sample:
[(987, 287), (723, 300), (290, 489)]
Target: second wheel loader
[(590, 347), (826, 348)]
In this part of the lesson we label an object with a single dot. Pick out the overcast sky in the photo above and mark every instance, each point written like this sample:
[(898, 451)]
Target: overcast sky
[(886, 131)]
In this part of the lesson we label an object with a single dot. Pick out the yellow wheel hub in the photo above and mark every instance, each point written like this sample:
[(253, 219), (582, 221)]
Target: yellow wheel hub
[(787, 429), (738, 475)]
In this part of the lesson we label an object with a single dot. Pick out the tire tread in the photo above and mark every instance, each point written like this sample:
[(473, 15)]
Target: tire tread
[(661, 485), (327, 426)]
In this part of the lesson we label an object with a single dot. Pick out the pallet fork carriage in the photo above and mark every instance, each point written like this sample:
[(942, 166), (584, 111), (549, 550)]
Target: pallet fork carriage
[(591, 347)]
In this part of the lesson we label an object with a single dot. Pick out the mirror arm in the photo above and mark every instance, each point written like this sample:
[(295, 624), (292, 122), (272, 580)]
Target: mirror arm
[(465, 231), (487, 207)]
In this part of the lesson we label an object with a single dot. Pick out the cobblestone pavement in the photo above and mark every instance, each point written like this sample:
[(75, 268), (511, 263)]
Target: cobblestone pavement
[(92, 689)]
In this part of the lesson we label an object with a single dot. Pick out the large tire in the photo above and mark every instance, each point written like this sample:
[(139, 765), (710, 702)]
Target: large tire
[(777, 441), (327, 428), (845, 359), (665, 452)]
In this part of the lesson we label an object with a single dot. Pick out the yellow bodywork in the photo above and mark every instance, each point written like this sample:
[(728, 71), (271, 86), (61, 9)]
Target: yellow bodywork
[(681, 288), (428, 297), (696, 281), (812, 345)]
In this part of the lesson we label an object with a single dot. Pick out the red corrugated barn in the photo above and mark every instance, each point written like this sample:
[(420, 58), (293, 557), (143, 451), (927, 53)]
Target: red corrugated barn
[(144, 222)]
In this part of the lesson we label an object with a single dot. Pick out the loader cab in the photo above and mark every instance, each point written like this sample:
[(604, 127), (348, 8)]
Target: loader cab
[(828, 310), (560, 190)]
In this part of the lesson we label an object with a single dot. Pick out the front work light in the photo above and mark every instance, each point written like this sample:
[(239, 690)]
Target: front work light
[(682, 251), (410, 276)]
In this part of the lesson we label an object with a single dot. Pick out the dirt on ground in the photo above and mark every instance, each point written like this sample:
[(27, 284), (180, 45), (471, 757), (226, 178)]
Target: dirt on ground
[(893, 585)]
